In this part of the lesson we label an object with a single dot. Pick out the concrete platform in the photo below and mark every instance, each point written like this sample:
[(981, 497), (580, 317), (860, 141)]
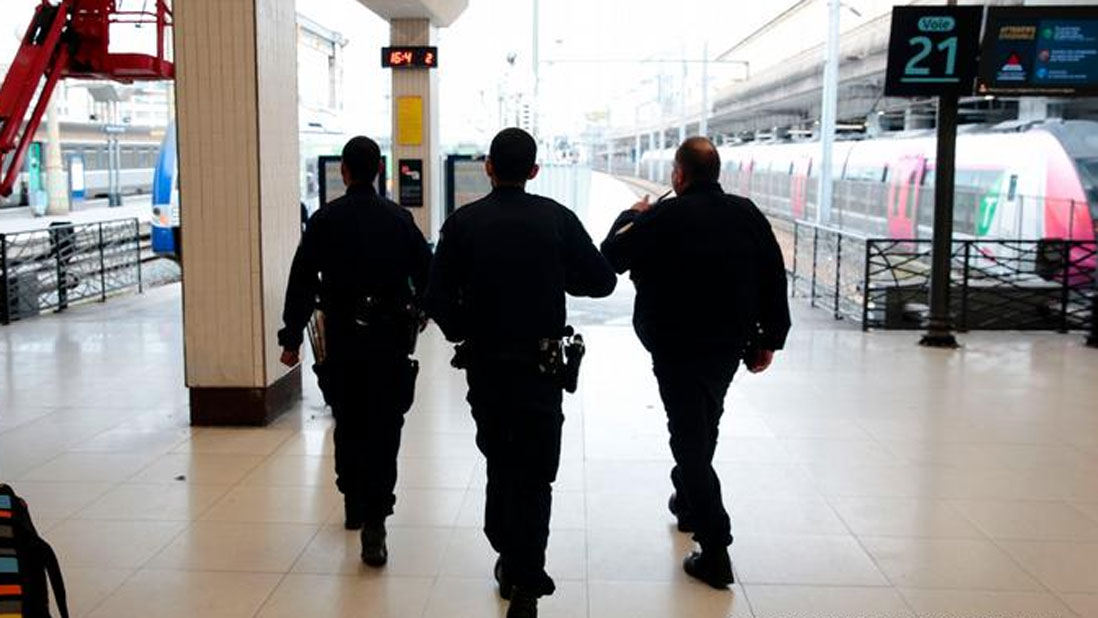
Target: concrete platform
[(866, 477)]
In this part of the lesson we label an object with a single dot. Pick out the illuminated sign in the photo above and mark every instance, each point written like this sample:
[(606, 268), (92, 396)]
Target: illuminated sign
[(932, 50), (1040, 51), (409, 57), (410, 173)]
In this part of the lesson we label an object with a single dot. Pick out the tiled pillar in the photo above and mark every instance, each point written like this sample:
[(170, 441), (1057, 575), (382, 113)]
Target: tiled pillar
[(236, 90), (415, 123)]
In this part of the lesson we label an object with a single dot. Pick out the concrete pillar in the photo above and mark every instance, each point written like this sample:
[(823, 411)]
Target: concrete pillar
[(637, 156), (415, 123), (57, 180), (236, 90)]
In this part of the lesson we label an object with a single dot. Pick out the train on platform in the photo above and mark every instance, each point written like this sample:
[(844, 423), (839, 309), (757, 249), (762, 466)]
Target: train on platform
[(1039, 182)]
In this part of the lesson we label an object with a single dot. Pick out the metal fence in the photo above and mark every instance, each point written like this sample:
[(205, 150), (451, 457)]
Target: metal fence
[(67, 264), (996, 284)]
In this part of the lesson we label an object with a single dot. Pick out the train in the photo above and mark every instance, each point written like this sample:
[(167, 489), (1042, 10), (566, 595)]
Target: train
[(1025, 182), (138, 160)]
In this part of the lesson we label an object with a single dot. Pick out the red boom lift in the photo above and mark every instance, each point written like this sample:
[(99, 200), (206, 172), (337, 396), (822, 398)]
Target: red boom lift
[(70, 39)]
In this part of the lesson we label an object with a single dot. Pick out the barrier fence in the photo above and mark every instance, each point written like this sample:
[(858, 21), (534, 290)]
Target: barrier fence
[(67, 264), (996, 284)]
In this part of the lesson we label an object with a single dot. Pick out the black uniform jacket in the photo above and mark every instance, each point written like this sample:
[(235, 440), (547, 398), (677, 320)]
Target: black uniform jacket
[(708, 271), (359, 245), (503, 266)]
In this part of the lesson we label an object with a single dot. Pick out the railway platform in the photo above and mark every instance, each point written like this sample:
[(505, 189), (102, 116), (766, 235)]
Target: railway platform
[(865, 476)]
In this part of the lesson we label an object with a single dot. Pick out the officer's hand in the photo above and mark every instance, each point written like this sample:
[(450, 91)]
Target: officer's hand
[(291, 358), (761, 362), (643, 205)]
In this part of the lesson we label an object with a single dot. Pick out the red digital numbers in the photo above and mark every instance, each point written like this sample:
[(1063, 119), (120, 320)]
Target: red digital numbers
[(426, 57)]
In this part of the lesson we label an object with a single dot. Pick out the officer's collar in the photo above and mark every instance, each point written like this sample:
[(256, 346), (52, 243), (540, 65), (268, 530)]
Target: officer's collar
[(362, 188), (703, 187)]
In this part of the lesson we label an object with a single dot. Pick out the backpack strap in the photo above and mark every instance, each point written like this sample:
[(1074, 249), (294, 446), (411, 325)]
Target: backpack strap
[(57, 581)]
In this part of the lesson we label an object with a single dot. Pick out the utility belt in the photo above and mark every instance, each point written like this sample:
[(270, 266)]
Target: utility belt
[(399, 323), (558, 358)]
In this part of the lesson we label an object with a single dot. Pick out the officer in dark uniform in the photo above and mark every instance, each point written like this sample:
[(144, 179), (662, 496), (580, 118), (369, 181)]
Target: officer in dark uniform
[(711, 292), (368, 263), (498, 283)]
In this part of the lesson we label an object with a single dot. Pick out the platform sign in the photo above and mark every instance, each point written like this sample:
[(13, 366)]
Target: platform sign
[(933, 50), (1040, 51), (410, 177), (410, 121)]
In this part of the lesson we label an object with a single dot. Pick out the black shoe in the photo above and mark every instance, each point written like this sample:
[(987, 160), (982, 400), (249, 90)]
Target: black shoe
[(712, 567), (684, 523), (374, 552), (353, 517), (523, 605), (505, 587)]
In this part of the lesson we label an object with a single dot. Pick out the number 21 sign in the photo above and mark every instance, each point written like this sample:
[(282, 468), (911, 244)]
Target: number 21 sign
[(933, 50)]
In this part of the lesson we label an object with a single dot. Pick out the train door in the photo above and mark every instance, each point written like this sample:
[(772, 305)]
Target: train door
[(903, 196)]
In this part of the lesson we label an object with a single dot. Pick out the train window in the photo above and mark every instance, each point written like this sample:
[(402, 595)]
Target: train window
[(1013, 187), (884, 175), (790, 169)]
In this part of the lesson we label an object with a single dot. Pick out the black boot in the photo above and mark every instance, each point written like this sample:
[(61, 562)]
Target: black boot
[(713, 567), (374, 552), (352, 512), (523, 604), (684, 523), (505, 587)]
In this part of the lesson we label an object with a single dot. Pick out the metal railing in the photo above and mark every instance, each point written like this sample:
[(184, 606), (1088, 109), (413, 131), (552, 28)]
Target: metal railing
[(996, 284), (67, 264)]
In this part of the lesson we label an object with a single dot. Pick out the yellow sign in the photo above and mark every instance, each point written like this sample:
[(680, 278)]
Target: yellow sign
[(410, 121)]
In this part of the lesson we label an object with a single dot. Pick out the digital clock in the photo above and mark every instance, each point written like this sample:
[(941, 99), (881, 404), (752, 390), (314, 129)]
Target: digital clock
[(409, 57)]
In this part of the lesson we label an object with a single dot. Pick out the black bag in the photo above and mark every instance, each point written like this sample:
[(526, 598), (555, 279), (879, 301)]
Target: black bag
[(25, 562)]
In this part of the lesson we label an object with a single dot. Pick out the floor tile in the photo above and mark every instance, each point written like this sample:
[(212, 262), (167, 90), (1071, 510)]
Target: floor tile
[(111, 544), (334, 596), (293, 470), (222, 546), (825, 602), (184, 594), (942, 563), (233, 441), (208, 469), (87, 587), (1024, 520), (664, 600), (290, 505), (59, 500), (784, 516), (163, 502), (981, 604), (904, 518), (416, 552), (89, 467), (620, 555), (478, 598), (805, 561), (1086, 605), (1062, 567)]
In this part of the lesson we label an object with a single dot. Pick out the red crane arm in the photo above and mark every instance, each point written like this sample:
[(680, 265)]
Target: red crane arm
[(40, 54), (71, 39)]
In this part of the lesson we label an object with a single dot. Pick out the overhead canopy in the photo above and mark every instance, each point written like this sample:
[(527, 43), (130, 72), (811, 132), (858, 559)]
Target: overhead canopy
[(442, 13)]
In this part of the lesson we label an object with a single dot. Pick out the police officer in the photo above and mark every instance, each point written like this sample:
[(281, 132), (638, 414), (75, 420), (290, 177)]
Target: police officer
[(498, 283), (711, 292), (368, 262)]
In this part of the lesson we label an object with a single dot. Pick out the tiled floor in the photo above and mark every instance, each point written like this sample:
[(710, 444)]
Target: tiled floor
[(866, 477)]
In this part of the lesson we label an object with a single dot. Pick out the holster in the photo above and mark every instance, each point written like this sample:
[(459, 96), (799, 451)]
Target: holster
[(559, 358), (398, 323)]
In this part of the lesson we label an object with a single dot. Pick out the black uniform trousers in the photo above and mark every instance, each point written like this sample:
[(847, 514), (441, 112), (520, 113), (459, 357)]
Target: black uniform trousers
[(372, 388), (693, 387), (518, 414)]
